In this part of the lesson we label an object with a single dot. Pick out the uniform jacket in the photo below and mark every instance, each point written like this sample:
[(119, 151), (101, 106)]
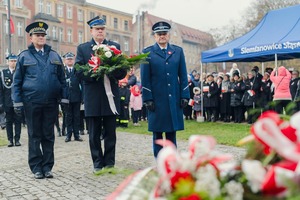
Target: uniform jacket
[(95, 99), (253, 84), (281, 84), (39, 79), (74, 86), (5, 88), (164, 81)]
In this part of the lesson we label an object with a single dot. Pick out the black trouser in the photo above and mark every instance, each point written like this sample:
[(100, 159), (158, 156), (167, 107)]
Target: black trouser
[(13, 119), (158, 135), (82, 119), (280, 104), (238, 114), (102, 158), (135, 116), (40, 124), (73, 119)]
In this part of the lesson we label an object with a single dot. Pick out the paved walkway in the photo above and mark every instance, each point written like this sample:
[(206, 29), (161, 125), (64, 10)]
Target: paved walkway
[(73, 177)]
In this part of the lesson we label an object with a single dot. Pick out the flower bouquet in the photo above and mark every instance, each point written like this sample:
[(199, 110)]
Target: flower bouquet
[(270, 169), (107, 59)]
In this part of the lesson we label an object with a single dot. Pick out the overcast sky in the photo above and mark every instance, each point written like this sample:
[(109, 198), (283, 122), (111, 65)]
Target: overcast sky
[(199, 14)]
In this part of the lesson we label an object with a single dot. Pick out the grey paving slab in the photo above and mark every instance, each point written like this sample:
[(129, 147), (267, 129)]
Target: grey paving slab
[(73, 177)]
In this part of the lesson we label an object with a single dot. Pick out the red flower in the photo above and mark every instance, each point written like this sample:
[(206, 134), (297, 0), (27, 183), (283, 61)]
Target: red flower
[(180, 175), (115, 50), (132, 56), (94, 62)]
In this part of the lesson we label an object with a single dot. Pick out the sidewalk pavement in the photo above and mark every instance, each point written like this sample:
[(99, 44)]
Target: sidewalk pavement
[(73, 169)]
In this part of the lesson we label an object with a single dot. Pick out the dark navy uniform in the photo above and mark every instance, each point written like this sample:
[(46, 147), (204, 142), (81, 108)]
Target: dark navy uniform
[(96, 105), (13, 121), (75, 99), (39, 83), (165, 84), (123, 118)]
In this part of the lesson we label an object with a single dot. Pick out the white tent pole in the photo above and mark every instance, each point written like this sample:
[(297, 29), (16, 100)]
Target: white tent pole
[(201, 118), (262, 68), (276, 63)]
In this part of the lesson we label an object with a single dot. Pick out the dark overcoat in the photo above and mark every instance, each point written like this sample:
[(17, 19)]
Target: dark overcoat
[(95, 99), (164, 81), (6, 80)]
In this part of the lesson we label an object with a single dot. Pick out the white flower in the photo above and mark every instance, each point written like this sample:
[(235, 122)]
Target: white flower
[(106, 48), (102, 46), (207, 181), (95, 47), (108, 54), (234, 190), (255, 173)]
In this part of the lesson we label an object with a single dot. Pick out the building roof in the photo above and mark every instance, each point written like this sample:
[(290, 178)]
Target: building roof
[(46, 17)]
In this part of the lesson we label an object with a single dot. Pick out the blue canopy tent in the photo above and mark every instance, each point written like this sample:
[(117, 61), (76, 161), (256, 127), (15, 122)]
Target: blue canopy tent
[(277, 36)]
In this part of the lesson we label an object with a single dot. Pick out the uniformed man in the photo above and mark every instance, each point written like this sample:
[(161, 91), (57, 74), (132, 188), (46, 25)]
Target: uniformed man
[(74, 97), (97, 107), (39, 84), (13, 121), (165, 86)]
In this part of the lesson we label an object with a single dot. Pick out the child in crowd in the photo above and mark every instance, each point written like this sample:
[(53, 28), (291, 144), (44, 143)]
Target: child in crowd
[(123, 118), (136, 103), (197, 101)]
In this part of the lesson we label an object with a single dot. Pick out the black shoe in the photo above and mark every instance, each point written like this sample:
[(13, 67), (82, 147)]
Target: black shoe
[(10, 144), (49, 174), (17, 144), (38, 175), (79, 139), (63, 133), (67, 139), (81, 132)]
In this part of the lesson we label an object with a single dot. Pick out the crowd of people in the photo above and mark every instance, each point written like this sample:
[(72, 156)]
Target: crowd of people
[(242, 97)]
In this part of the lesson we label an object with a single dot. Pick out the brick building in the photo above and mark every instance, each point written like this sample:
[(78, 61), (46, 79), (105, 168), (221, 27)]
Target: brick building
[(192, 41), (67, 24)]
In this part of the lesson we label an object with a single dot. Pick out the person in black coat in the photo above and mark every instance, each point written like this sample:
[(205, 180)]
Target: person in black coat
[(75, 99), (99, 111), (251, 96), (295, 89), (13, 121), (237, 89), (266, 94), (123, 118), (210, 97), (225, 108), (188, 110)]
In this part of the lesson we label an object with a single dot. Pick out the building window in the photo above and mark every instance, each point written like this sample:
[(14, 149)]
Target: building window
[(126, 25), (60, 34), (92, 15), (20, 29), (80, 15), (6, 53), (69, 12), (54, 33), (41, 6), (6, 27), (60, 11), (116, 23), (48, 8), (104, 18), (126, 46), (80, 37), (18, 3), (69, 35), (5, 2)]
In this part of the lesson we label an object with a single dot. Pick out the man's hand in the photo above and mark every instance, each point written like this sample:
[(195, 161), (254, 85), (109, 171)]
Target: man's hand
[(150, 105), (183, 103), (18, 110)]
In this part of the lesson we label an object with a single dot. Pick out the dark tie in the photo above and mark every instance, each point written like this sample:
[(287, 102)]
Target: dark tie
[(41, 52), (164, 52), (70, 70)]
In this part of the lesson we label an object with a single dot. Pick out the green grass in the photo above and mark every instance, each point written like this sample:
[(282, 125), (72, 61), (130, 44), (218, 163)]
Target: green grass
[(225, 133), (3, 138)]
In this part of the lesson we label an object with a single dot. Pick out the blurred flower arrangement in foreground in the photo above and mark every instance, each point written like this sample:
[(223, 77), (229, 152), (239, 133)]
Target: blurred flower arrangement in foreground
[(270, 170)]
